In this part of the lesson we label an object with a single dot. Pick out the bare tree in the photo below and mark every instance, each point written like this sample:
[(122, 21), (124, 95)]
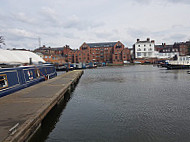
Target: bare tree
[(2, 40)]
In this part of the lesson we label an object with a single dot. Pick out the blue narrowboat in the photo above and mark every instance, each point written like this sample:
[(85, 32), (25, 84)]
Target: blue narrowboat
[(16, 78)]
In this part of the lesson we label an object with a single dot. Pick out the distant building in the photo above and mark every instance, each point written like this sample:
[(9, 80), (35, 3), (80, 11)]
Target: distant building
[(52, 55), (183, 48), (107, 52), (144, 49), (98, 53), (164, 51)]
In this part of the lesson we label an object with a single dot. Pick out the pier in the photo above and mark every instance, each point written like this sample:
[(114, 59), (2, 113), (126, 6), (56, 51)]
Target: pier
[(22, 112)]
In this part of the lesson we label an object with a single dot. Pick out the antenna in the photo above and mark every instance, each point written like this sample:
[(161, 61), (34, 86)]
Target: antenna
[(39, 40)]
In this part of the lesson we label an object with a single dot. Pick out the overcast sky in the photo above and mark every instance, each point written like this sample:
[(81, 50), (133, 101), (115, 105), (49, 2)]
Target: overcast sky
[(72, 22)]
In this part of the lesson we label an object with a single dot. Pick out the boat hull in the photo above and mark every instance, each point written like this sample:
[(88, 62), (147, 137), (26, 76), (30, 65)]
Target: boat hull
[(172, 67), (14, 79)]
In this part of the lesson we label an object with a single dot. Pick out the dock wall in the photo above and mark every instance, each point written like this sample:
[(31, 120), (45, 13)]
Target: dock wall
[(22, 112)]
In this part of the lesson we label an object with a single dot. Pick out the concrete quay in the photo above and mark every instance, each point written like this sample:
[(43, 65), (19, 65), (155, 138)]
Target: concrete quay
[(22, 112)]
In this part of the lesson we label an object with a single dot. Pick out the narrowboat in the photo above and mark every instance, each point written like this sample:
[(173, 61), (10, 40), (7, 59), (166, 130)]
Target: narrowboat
[(14, 79), (18, 72)]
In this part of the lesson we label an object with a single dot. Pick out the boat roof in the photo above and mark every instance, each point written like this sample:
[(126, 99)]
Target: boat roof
[(18, 57)]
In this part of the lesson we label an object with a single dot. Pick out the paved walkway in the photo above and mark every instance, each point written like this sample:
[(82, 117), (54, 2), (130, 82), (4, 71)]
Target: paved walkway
[(22, 111)]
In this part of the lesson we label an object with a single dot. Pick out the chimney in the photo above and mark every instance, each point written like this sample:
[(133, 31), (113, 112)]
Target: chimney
[(148, 39), (138, 39), (30, 61)]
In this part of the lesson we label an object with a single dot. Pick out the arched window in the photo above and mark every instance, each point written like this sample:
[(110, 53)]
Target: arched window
[(138, 49)]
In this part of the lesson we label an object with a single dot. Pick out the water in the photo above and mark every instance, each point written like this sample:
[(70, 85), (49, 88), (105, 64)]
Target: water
[(123, 104)]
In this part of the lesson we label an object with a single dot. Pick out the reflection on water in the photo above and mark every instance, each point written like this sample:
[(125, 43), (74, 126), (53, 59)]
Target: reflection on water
[(48, 124), (132, 103)]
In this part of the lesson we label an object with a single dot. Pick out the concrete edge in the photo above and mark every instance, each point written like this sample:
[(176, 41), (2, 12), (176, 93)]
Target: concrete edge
[(29, 127)]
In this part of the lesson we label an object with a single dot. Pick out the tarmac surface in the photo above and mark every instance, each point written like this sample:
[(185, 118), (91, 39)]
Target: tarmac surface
[(22, 112)]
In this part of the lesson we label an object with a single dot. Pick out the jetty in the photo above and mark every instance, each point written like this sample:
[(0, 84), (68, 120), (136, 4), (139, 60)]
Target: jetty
[(22, 112)]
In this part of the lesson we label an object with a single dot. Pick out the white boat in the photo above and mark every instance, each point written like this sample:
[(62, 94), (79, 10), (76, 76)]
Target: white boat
[(182, 62)]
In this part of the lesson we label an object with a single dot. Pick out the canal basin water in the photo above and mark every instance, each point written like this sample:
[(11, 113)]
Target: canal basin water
[(131, 103)]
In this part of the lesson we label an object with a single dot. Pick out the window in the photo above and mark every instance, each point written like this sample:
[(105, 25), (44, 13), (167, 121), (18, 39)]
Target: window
[(144, 49), (84, 48), (138, 49), (118, 46), (3, 81), (138, 54), (37, 73), (144, 45), (138, 45), (30, 75)]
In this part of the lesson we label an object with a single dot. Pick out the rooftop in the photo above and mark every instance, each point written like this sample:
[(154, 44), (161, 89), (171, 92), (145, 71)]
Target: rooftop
[(103, 44)]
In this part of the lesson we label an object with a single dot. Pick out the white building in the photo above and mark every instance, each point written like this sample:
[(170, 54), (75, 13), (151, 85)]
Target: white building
[(144, 49), (168, 55), (166, 51)]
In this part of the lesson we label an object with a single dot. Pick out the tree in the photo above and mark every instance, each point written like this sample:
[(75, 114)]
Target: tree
[(2, 40)]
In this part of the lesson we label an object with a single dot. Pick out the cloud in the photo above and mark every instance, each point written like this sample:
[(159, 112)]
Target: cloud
[(20, 34), (49, 16), (103, 34), (170, 1), (22, 17), (73, 22), (137, 33), (179, 1)]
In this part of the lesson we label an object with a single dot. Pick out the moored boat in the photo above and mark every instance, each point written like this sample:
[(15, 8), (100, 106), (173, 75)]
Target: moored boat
[(182, 62), (19, 73)]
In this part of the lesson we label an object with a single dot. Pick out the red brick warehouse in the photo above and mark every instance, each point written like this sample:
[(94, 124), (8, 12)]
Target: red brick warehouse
[(107, 52)]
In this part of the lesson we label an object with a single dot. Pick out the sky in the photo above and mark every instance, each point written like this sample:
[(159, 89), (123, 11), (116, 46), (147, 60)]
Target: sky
[(73, 22)]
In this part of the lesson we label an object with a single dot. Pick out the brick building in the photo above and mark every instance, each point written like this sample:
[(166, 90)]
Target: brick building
[(52, 55), (56, 59), (107, 52), (183, 48)]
